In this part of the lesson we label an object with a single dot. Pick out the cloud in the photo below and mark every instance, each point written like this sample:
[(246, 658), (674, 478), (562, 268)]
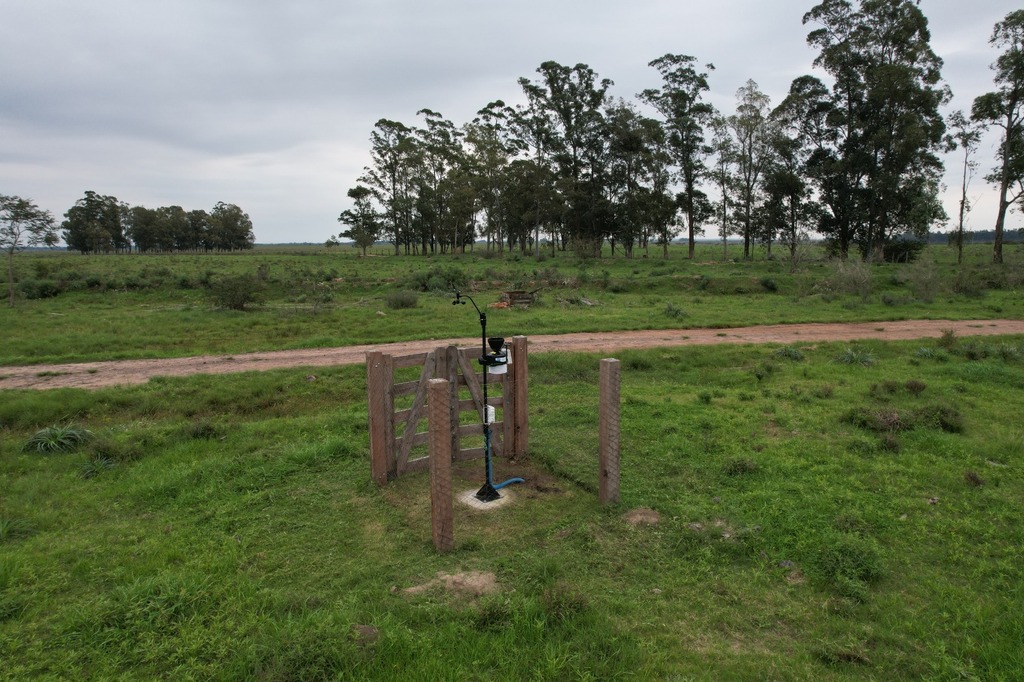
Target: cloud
[(270, 105)]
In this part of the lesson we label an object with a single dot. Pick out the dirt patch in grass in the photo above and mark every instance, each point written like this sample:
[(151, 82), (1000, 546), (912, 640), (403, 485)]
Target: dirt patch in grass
[(471, 585), (642, 516)]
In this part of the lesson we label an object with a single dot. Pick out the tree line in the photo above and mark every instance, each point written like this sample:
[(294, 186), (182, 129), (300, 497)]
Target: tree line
[(856, 161), (102, 224)]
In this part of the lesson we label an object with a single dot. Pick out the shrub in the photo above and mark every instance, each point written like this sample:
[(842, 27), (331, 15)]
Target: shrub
[(58, 438), (851, 277), (236, 292), (38, 288), (902, 250), (438, 278), (399, 300), (924, 280), (769, 284)]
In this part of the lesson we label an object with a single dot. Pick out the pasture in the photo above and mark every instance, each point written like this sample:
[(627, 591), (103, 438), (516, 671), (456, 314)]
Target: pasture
[(829, 511)]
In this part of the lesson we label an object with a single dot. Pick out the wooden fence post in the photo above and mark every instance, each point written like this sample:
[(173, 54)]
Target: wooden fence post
[(380, 374), (441, 513), (451, 369), (608, 479), (520, 375)]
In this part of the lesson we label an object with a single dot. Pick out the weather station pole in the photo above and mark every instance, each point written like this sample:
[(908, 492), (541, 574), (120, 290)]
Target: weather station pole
[(493, 355)]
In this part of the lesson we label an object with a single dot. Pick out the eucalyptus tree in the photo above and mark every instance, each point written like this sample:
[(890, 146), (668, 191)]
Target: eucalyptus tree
[(574, 99), (172, 228), (96, 224), (531, 129), (230, 228), (1004, 109), (752, 133), (638, 175), (142, 228), (394, 154), (22, 225), (791, 210), (362, 219), (880, 175), (198, 230), (965, 135), (490, 147), (723, 175), (439, 174), (680, 103)]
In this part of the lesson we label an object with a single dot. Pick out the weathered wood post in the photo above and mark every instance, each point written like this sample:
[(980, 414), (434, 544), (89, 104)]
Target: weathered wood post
[(518, 413), (380, 375), (451, 372), (609, 441), (441, 513)]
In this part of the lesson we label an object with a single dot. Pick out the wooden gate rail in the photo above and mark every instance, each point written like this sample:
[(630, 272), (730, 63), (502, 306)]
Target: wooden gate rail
[(394, 434)]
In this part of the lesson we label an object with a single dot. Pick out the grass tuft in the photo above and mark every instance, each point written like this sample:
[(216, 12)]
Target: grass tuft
[(58, 438)]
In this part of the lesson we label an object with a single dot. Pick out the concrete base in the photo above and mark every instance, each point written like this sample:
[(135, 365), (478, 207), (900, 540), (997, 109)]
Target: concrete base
[(468, 498)]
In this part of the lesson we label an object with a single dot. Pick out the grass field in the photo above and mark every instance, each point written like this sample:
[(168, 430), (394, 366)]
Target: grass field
[(111, 307), (827, 512)]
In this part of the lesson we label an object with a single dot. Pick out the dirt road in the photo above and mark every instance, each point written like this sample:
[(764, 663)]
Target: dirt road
[(90, 375)]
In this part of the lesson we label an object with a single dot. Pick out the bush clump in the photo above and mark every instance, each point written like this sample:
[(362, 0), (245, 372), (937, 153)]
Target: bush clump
[(236, 292), (438, 278), (400, 300)]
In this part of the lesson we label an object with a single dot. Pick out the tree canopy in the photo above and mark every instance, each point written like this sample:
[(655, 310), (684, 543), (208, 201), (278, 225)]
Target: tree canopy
[(22, 225)]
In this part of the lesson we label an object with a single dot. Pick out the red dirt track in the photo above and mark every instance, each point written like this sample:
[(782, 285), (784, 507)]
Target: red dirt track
[(92, 375)]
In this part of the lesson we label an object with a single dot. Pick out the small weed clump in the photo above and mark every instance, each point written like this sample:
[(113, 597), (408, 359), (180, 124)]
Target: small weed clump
[(790, 353), (854, 356), (739, 466), (58, 438), (95, 466), (850, 564), (948, 339), (563, 603), (673, 311), (203, 430), (915, 387), (973, 479), (884, 390), (14, 529)]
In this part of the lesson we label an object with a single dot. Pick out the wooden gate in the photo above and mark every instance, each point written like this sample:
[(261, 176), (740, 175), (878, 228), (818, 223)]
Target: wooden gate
[(395, 433)]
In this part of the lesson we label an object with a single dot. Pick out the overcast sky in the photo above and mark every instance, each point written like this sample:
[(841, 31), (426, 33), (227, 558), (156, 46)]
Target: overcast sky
[(269, 105)]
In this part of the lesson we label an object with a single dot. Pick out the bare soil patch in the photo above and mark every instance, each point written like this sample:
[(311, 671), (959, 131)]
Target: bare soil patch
[(92, 375), (470, 584)]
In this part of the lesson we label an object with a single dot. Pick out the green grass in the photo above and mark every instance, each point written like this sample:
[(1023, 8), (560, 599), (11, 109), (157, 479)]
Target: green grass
[(134, 306), (233, 533)]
